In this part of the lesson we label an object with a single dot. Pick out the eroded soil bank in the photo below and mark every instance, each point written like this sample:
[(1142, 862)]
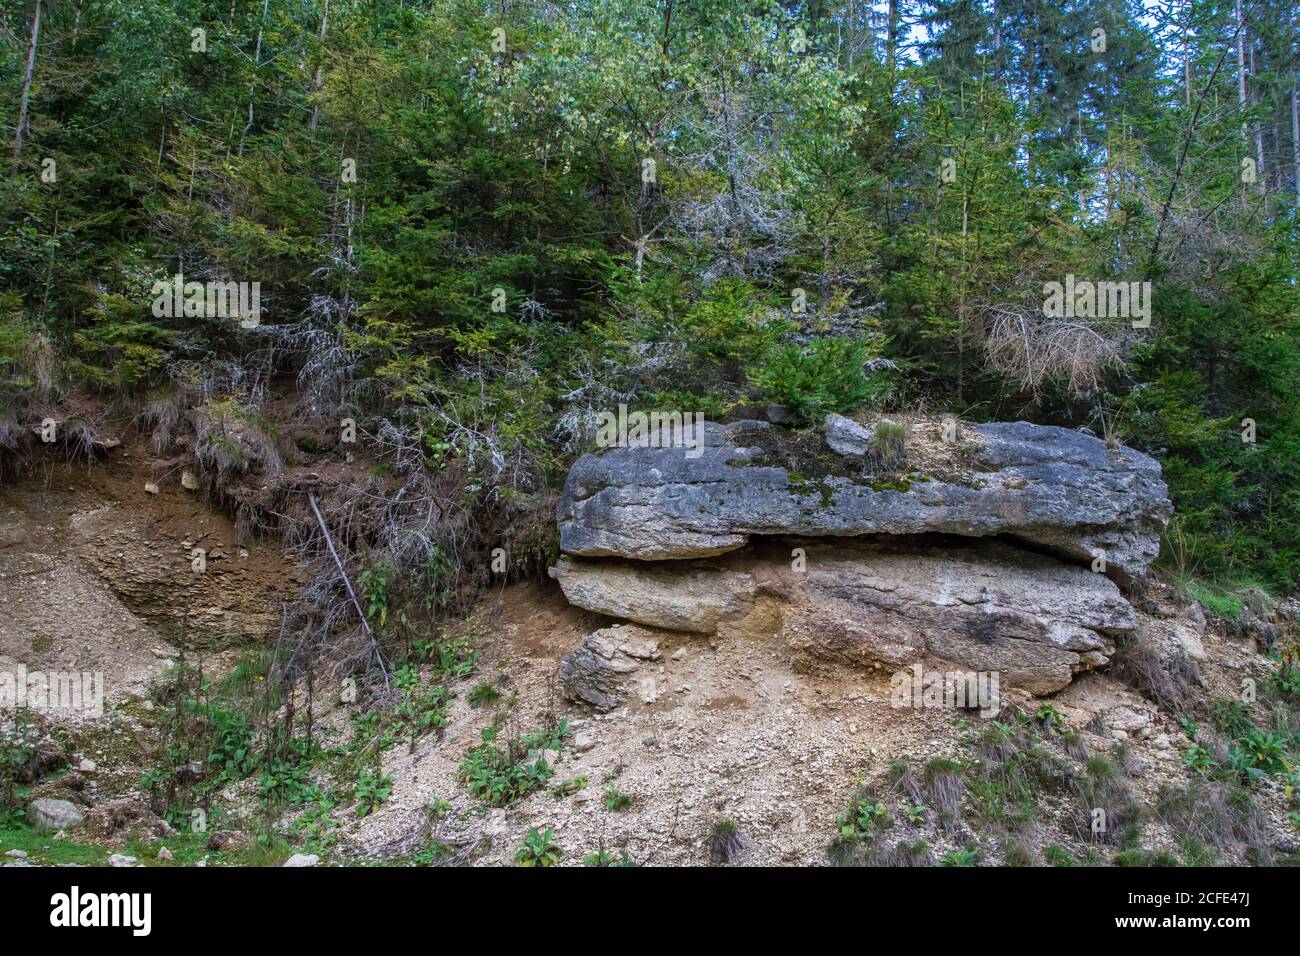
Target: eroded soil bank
[(97, 574)]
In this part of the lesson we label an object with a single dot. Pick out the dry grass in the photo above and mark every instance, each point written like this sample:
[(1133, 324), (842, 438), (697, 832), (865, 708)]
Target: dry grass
[(1169, 683), (945, 786), (727, 842), (1222, 817), (1103, 788), (1033, 348)]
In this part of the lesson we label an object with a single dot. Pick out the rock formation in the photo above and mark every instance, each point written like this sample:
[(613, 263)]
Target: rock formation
[(1041, 484), (987, 551)]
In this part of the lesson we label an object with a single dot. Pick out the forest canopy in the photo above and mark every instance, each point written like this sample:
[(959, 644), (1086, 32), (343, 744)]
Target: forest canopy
[(482, 225)]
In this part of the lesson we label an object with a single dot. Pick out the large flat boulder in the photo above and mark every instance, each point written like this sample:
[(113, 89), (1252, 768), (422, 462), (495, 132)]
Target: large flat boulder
[(982, 605), (1052, 487)]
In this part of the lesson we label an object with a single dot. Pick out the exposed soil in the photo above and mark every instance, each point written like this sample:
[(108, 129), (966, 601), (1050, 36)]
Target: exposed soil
[(731, 729), (98, 574)]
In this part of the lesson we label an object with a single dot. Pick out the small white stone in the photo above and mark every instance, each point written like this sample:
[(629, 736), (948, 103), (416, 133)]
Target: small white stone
[(87, 765), (302, 859)]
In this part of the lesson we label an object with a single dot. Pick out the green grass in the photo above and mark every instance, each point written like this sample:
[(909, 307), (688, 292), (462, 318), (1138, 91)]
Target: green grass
[(1217, 602), (186, 849), (44, 849)]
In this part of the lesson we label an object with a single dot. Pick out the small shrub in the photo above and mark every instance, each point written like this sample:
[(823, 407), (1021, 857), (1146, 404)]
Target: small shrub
[(607, 858), (966, 857), (538, 849), (863, 820), (827, 375), (1050, 720), (499, 777), (727, 841), (888, 445), (372, 792), (483, 694), (616, 800), (1286, 682)]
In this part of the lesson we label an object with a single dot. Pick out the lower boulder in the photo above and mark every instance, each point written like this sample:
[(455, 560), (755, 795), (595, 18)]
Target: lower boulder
[(49, 813), (599, 671), (982, 605)]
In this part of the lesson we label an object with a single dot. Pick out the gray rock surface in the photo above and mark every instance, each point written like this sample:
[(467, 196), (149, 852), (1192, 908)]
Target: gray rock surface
[(846, 436), (1052, 487), (48, 813), (981, 605), (598, 672)]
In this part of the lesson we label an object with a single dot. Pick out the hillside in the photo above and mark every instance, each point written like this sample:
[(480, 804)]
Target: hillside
[(636, 432)]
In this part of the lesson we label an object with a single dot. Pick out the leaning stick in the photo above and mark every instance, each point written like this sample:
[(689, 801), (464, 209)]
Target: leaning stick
[(329, 543)]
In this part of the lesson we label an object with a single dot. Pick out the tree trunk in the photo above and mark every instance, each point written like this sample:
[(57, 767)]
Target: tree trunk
[(1241, 71), (1259, 133), (1295, 135), (21, 128), (320, 68), (891, 35), (252, 87)]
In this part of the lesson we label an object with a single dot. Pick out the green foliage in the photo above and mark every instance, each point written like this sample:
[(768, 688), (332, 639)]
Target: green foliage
[(1057, 855), (567, 788), (373, 789), (862, 820), (1286, 681), (483, 694), (538, 849), (1050, 719), (1227, 606), (827, 375), (498, 776), (373, 584), (608, 858), (966, 857), (912, 204), (616, 800), (18, 739)]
